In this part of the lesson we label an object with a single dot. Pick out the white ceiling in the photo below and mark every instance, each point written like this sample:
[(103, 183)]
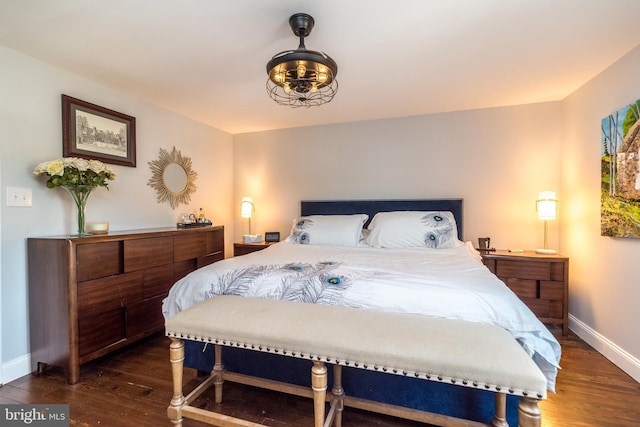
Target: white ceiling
[(206, 59)]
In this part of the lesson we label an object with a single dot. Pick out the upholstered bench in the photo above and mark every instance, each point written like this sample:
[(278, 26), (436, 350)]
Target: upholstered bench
[(461, 353)]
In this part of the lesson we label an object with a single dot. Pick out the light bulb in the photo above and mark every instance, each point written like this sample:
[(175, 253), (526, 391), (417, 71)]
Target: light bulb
[(287, 88), (302, 70)]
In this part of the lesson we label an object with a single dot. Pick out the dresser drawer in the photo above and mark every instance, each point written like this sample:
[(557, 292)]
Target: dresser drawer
[(210, 259), (182, 268), (101, 330), (189, 246), (158, 280), (146, 253), (109, 293), (215, 242), (145, 317), (109, 254)]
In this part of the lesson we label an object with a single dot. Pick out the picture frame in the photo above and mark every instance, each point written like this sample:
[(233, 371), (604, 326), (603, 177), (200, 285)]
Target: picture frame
[(90, 131), (620, 173)]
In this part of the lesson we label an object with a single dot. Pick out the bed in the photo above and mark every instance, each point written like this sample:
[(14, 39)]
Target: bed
[(340, 253)]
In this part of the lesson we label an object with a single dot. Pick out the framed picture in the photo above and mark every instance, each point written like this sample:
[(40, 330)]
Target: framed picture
[(93, 132), (620, 172)]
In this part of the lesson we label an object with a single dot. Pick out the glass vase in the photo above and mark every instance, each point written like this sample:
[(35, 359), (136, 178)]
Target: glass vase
[(80, 194)]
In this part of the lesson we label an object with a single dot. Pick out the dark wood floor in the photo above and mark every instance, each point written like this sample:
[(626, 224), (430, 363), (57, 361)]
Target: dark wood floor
[(132, 387)]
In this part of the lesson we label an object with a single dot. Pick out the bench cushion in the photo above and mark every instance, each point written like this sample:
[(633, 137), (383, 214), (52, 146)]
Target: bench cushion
[(454, 351)]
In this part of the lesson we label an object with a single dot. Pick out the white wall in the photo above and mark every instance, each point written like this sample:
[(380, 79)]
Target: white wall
[(497, 160), (605, 280), (30, 119)]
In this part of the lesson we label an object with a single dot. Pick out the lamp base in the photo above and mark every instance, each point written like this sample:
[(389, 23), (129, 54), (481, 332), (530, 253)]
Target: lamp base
[(252, 238), (546, 251)]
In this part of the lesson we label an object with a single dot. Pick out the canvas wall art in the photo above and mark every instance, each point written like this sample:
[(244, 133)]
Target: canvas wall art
[(620, 171)]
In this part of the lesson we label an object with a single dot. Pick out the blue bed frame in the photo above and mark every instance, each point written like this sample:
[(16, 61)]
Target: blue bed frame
[(461, 402)]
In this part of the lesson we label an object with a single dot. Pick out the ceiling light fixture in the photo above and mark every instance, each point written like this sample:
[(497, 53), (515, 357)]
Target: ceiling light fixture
[(301, 77)]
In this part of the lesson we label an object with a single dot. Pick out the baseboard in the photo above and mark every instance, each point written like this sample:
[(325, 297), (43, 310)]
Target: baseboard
[(621, 358), (16, 368)]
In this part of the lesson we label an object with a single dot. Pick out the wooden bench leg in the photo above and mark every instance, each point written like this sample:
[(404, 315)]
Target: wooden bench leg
[(338, 395), (218, 369), (500, 417), (528, 412), (176, 357), (319, 387)]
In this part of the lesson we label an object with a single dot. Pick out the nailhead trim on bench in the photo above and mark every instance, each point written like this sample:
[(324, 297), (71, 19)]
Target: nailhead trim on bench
[(355, 364)]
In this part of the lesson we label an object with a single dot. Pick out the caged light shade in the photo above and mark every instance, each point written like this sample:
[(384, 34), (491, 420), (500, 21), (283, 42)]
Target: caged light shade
[(302, 77)]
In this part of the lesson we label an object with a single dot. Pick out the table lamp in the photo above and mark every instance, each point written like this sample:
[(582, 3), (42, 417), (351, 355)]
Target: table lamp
[(547, 206), (246, 211)]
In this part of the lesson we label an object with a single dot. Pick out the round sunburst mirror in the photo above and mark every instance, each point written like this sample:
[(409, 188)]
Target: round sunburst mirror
[(172, 177)]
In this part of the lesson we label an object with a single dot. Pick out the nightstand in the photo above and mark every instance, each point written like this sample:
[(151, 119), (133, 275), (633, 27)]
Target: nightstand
[(246, 248), (540, 281)]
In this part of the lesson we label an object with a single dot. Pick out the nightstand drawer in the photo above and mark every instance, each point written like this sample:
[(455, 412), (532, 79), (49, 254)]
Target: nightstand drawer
[(539, 307), (523, 269), (552, 290), (544, 309), (523, 287), (247, 248)]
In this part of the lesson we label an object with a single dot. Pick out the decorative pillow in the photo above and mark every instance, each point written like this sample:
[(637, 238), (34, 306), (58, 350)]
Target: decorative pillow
[(345, 230), (402, 229)]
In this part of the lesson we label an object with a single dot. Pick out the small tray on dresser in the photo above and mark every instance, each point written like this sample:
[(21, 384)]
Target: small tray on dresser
[(194, 224)]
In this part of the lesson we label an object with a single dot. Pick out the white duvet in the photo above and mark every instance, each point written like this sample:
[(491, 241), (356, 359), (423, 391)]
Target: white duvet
[(450, 283)]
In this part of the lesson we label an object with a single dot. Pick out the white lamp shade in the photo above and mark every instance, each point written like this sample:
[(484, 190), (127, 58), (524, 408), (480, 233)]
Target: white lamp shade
[(247, 207), (547, 205)]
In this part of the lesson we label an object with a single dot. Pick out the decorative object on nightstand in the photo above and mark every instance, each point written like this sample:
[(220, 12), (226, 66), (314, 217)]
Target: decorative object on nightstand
[(272, 236), (547, 206), (484, 244), (246, 211), (540, 281)]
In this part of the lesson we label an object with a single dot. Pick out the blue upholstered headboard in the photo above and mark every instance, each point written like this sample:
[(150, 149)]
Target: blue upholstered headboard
[(370, 207)]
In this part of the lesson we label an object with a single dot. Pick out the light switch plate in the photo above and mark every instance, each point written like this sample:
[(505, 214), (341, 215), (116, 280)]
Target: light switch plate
[(19, 196)]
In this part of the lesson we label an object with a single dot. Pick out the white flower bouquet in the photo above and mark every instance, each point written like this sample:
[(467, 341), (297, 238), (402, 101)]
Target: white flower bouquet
[(79, 177), (74, 171)]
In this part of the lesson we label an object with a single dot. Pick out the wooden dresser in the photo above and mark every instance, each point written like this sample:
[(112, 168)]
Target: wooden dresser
[(540, 281), (91, 295)]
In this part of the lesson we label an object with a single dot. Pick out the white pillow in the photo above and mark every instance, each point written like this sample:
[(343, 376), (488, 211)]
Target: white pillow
[(402, 229), (345, 230)]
